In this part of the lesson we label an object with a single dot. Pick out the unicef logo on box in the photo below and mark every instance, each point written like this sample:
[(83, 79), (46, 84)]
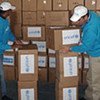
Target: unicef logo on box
[(34, 31), (70, 66), (27, 95), (8, 60), (70, 94), (27, 67), (71, 36), (27, 64)]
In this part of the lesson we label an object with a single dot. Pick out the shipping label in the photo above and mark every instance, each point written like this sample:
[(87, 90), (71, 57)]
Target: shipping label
[(70, 66), (27, 94), (34, 32), (52, 62), (70, 93), (86, 62), (8, 60), (27, 64), (41, 46), (42, 61), (51, 51), (70, 36)]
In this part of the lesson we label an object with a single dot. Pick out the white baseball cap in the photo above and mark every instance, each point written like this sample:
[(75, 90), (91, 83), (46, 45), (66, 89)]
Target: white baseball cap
[(79, 11), (4, 6)]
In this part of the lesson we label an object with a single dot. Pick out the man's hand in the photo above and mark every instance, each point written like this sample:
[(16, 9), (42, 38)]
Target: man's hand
[(65, 49), (14, 46), (18, 42)]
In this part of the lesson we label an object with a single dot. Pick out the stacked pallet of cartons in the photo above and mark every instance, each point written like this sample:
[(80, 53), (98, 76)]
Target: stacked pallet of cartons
[(31, 22), (27, 72), (66, 63)]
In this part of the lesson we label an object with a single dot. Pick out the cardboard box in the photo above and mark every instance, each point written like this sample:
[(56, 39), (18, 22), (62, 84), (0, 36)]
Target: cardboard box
[(67, 67), (42, 75), (16, 3), (51, 52), (1, 1), (41, 46), (85, 77), (29, 5), (42, 60), (52, 68), (27, 90), (55, 18), (73, 3), (80, 76), (90, 4), (15, 17), (16, 73), (80, 61), (9, 59), (98, 5), (28, 63), (52, 61), (29, 18), (58, 38), (60, 5), (44, 5), (16, 29), (52, 75), (41, 17), (9, 73), (65, 92), (34, 33)]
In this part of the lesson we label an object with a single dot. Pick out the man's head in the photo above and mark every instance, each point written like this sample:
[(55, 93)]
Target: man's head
[(80, 15), (6, 8)]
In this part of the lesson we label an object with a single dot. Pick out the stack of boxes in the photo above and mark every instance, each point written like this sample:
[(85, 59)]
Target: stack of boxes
[(80, 69), (10, 65), (85, 68), (27, 72), (92, 4), (67, 76), (35, 33), (46, 24), (28, 12), (51, 66), (23, 67), (84, 65), (66, 63), (42, 60)]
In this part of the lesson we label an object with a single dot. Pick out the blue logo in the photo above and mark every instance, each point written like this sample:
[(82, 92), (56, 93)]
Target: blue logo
[(71, 37), (27, 67), (70, 66), (8, 60), (34, 32), (69, 94), (27, 95)]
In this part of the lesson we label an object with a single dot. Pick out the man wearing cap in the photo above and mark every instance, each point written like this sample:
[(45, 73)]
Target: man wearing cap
[(5, 36), (89, 22)]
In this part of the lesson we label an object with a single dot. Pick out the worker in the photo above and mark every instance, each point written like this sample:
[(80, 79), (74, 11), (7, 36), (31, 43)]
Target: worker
[(5, 36), (89, 22)]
